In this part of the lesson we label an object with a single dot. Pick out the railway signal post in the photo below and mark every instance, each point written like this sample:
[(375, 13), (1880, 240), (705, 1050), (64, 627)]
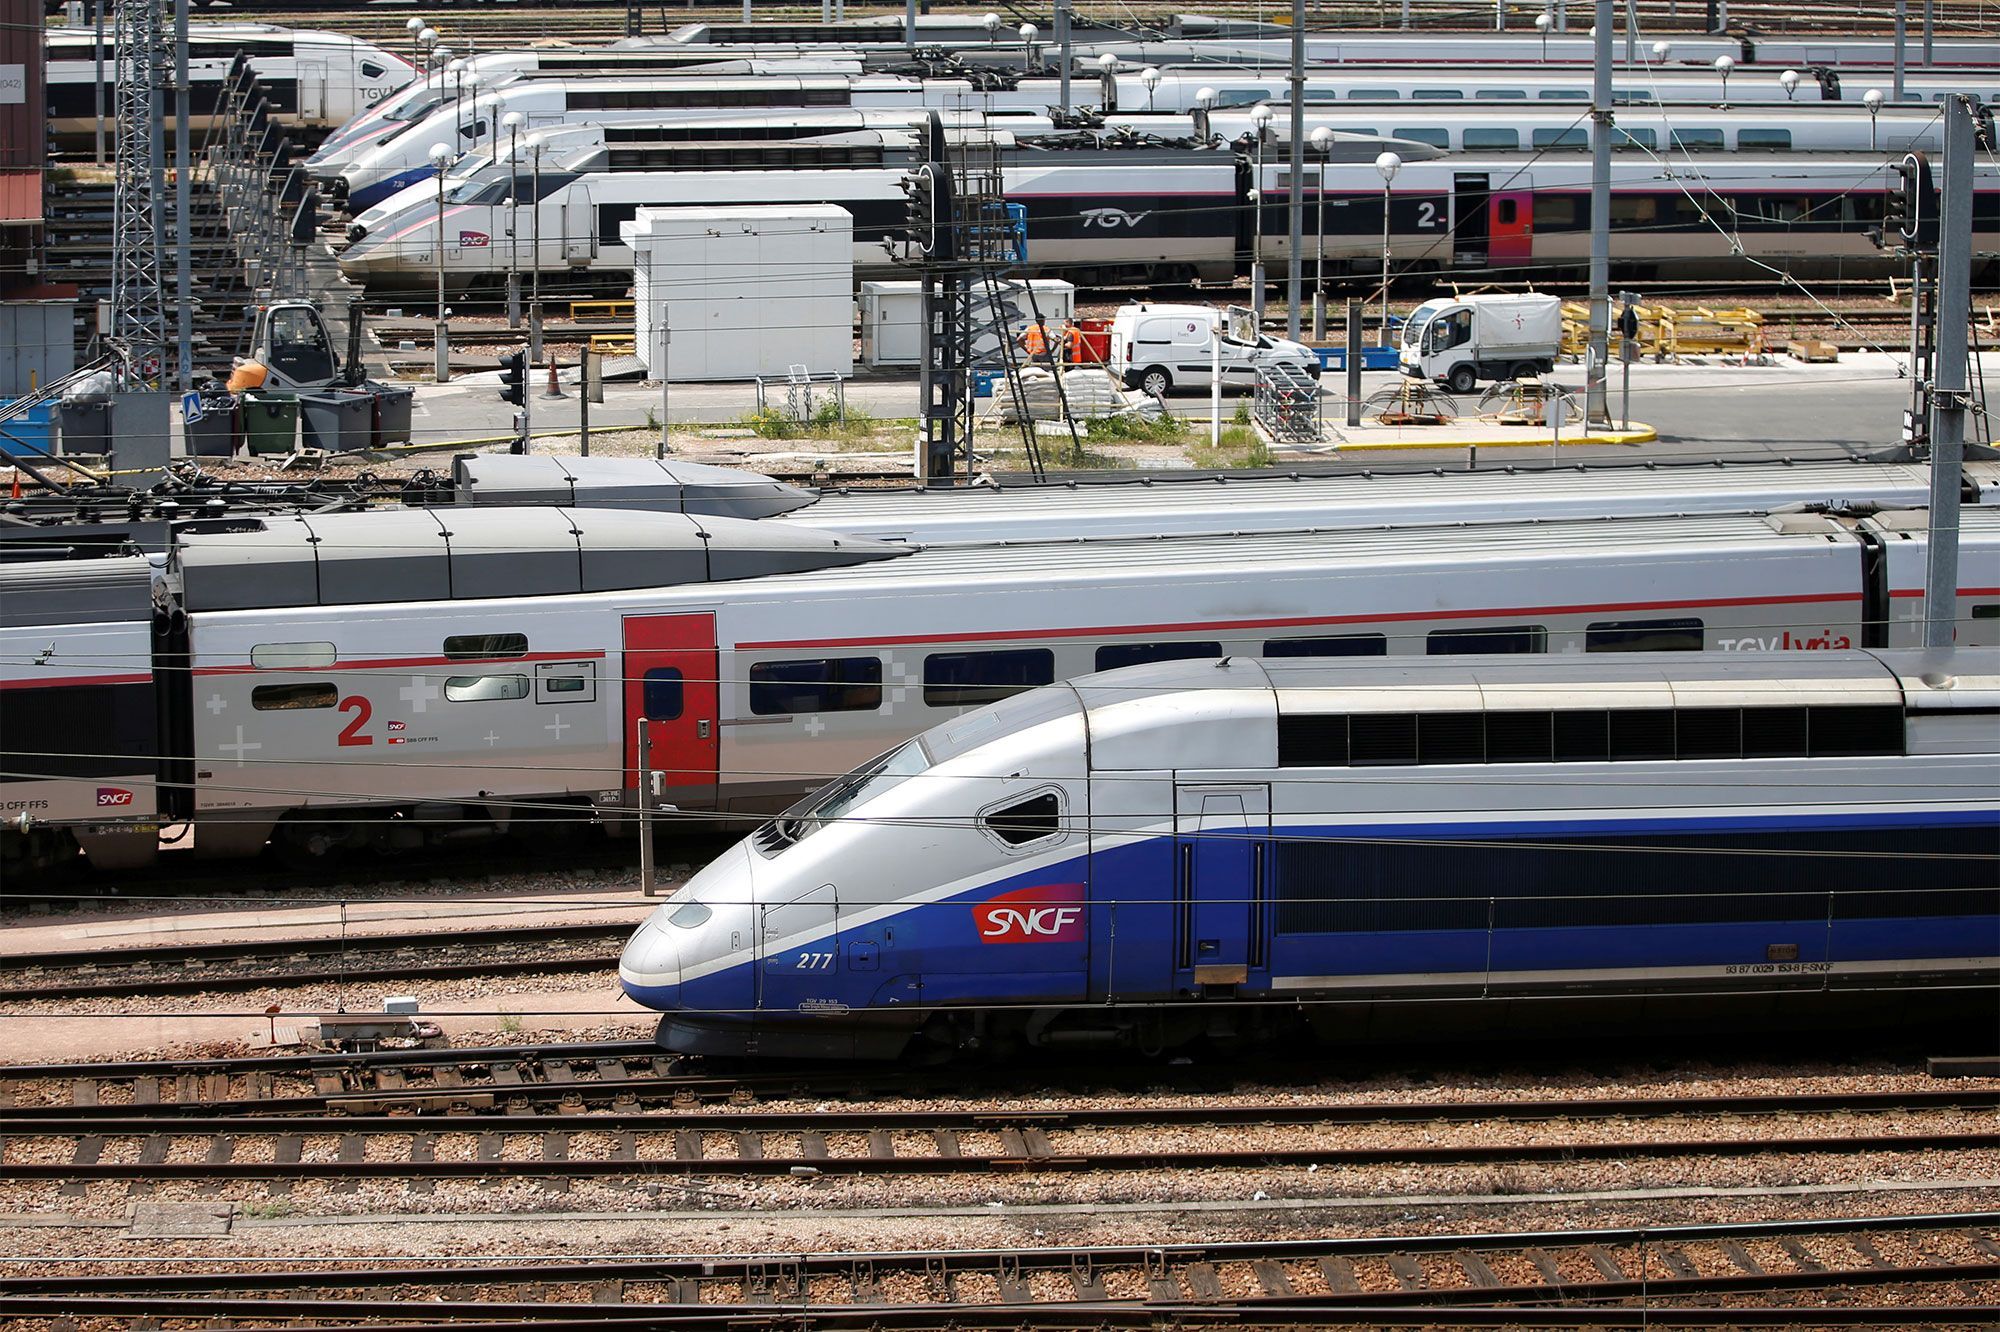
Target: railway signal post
[(1951, 386)]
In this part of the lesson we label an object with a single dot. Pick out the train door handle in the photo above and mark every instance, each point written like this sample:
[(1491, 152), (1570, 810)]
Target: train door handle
[(701, 730)]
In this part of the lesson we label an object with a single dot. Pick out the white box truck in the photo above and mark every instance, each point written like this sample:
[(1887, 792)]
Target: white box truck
[(1458, 341), (1160, 348)]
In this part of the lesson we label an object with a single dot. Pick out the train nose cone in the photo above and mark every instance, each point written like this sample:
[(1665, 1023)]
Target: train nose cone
[(649, 970)]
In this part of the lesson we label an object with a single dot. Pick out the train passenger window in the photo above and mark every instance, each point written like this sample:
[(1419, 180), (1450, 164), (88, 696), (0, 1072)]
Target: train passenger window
[(1641, 734), (816, 684), (1337, 645), (289, 697), (1025, 821), (660, 693), (1382, 738), (1563, 95), (961, 679), (485, 688), (1374, 95), (1312, 741), (565, 682), (1774, 732), (292, 656), (1573, 136), (1114, 655), (1451, 737), (1582, 737), (1635, 210), (1487, 639), (1764, 140), (1984, 631), (1843, 732), (1436, 138), (1698, 140), (1709, 733), (1557, 212), (1501, 95), (1492, 140), (484, 647), (1438, 94), (1643, 636), (1634, 138), (1520, 737)]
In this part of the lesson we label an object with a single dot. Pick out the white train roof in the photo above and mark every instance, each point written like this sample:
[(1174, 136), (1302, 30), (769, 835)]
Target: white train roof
[(633, 484), (402, 555)]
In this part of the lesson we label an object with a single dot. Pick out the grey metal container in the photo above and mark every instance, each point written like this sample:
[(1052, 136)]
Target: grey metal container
[(392, 413), (339, 422)]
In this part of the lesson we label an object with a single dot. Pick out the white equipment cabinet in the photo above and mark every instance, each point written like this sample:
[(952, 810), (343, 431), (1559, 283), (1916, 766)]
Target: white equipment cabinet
[(744, 291), (891, 331)]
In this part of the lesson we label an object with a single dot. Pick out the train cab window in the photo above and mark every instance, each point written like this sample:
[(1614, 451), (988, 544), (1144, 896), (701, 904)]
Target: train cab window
[(475, 131), (292, 656), (962, 679), (816, 684), (1338, 645), (484, 647), (1764, 140), (485, 688), (1492, 140), (689, 916), (291, 697), (371, 70), (1112, 656), (1487, 639), (1435, 137), (1228, 97), (1572, 136), (660, 693), (1698, 140), (1643, 636), (1031, 820)]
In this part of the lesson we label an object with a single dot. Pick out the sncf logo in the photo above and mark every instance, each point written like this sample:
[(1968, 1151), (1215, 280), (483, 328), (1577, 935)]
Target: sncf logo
[(1045, 913), (113, 795)]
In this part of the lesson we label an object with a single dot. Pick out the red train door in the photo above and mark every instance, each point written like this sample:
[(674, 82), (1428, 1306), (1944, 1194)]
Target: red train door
[(670, 679), (1511, 228)]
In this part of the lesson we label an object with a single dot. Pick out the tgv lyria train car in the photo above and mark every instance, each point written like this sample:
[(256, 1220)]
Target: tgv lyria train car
[(383, 679), (1235, 849)]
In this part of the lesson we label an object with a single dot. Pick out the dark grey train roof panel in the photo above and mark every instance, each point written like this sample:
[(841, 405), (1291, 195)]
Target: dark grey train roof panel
[(402, 555), (114, 590), (662, 485)]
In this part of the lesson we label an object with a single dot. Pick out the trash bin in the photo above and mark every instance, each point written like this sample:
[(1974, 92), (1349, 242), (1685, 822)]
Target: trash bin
[(28, 434), (392, 413), (270, 422), (340, 421), (214, 435), (86, 426)]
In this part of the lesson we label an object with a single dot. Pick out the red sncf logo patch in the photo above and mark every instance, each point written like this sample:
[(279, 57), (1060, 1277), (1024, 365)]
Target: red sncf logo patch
[(1045, 913), (113, 795)]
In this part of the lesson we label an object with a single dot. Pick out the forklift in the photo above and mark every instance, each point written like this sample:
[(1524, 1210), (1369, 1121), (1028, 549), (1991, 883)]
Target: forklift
[(291, 351)]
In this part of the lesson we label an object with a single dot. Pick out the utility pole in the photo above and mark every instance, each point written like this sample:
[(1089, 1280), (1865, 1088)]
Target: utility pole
[(1902, 31), (1062, 47), (98, 92), (1950, 386), (1597, 406), (1295, 258), (138, 238), (183, 241), (1930, 23)]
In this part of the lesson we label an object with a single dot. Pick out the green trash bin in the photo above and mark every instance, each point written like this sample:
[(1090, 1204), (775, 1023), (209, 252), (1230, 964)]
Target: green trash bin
[(271, 422)]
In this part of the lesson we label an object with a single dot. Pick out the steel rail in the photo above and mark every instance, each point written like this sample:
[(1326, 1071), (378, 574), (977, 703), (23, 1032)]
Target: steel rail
[(1025, 1156)]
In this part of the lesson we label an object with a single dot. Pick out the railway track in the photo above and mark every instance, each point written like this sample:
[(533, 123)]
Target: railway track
[(203, 968), (1929, 1270), (424, 1138)]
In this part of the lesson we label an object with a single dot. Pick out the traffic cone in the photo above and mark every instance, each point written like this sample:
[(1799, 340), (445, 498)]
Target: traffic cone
[(554, 390)]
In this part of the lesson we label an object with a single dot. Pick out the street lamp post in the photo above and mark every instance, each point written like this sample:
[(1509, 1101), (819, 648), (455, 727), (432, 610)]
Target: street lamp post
[(992, 25), (1107, 83), (1542, 24), (455, 71), (1261, 119), (1872, 99), (1322, 139), (440, 154), (1661, 50), (1151, 78), (1789, 81), (512, 123), (1723, 65), (1388, 164), (1029, 32), (535, 273), (413, 27)]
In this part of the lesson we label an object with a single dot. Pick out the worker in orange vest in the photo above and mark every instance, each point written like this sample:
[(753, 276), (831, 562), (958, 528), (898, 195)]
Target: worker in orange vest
[(1035, 338)]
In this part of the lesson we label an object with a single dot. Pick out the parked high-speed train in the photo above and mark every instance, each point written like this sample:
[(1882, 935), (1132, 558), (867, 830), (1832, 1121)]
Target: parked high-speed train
[(1152, 215), (1238, 849), (383, 680), (315, 80)]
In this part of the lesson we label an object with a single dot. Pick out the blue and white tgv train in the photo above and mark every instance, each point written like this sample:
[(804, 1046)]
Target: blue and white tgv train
[(1229, 849)]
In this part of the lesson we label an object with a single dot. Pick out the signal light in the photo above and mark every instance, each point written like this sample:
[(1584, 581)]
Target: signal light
[(514, 377), (1910, 207), (920, 210)]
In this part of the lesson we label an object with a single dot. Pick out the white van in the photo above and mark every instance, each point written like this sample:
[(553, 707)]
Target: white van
[(1160, 348)]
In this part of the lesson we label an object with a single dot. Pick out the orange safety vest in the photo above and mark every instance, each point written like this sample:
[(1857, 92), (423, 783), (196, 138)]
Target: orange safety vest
[(1035, 339)]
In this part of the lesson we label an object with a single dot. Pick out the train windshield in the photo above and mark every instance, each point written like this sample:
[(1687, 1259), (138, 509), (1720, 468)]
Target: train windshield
[(857, 788)]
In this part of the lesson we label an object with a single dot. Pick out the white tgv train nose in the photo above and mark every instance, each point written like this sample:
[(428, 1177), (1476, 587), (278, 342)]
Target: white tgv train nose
[(649, 970)]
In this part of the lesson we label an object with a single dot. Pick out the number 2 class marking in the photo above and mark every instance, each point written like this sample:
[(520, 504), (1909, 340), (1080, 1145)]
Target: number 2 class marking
[(363, 710)]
